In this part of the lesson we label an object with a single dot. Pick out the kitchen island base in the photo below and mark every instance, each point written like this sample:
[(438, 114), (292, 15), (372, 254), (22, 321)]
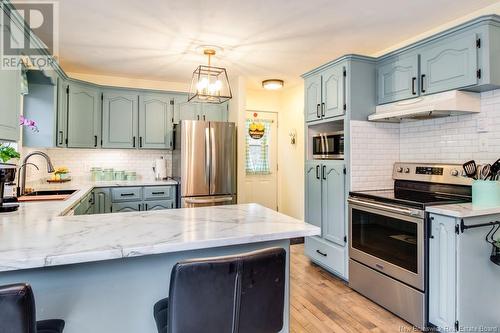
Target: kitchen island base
[(118, 295)]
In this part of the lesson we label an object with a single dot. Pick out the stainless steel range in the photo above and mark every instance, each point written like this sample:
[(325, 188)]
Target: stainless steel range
[(388, 236)]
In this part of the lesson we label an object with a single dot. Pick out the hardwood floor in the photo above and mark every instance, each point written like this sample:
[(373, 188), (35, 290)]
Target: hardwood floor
[(321, 302)]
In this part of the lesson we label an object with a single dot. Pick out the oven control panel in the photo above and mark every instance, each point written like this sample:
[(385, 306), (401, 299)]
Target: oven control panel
[(436, 173)]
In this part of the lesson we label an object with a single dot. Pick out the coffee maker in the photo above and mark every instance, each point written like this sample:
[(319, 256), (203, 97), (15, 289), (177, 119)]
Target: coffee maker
[(7, 175)]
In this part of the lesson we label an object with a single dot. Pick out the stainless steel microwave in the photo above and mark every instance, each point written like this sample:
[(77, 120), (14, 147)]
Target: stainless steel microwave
[(328, 146)]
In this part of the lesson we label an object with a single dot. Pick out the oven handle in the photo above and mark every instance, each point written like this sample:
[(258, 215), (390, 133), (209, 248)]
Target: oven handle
[(396, 210)]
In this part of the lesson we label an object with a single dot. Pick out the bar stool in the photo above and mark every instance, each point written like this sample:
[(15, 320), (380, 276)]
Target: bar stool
[(243, 293), (17, 312)]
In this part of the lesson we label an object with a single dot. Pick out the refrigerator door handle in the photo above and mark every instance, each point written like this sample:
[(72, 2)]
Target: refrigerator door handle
[(208, 151), (205, 201), (213, 158)]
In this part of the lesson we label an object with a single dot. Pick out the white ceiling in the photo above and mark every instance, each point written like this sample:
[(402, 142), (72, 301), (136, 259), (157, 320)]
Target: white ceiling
[(158, 39)]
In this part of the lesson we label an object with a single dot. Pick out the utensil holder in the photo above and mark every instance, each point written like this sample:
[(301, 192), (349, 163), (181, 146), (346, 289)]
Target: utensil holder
[(486, 194)]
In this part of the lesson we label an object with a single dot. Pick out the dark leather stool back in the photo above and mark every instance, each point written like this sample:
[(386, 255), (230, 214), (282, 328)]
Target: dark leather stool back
[(17, 309), (243, 294)]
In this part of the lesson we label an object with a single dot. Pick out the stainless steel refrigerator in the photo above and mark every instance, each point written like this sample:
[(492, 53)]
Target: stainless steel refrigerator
[(204, 159)]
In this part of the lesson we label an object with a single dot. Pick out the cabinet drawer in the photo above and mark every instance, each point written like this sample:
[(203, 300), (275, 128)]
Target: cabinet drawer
[(159, 205), (123, 194), (127, 207), (159, 192), (326, 254)]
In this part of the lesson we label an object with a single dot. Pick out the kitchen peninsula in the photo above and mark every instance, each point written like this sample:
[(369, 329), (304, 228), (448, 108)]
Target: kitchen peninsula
[(103, 273)]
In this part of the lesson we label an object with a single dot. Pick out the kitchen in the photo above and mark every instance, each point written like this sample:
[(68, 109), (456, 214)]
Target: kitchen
[(116, 175)]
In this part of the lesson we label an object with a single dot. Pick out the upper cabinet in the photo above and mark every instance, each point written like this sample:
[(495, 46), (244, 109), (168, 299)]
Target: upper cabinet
[(313, 97), (120, 119), (397, 78), (10, 104), (156, 121), (84, 116), (197, 111)]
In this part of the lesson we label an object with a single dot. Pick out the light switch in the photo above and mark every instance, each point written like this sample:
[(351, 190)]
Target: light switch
[(482, 125), (483, 143)]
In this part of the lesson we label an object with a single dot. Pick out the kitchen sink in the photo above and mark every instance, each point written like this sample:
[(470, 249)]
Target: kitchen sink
[(50, 192), (47, 195)]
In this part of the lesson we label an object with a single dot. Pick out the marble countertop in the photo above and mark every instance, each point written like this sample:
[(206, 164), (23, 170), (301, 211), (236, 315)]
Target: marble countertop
[(38, 236), (464, 210)]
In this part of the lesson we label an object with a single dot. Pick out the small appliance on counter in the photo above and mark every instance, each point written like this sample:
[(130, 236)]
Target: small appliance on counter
[(160, 169), (7, 175), (328, 146), (389, 236)]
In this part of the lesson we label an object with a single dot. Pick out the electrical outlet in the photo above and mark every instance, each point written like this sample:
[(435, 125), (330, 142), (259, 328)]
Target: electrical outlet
[(483, 143), (482, 125)]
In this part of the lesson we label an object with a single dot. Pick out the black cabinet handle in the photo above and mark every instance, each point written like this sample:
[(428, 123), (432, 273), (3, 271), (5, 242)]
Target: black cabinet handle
[(146, 207), (61, 137), (95, 140), (422, 77), (413, 82), (318, 114), (157, 193), (324, 172), (317, 172), (126, 194), (321, 253), (204, 117), (322, 109), (198, 116), (140, 142), (133, 142)]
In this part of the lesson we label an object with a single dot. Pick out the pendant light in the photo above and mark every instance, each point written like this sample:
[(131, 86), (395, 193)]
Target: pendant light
[(209, 84)]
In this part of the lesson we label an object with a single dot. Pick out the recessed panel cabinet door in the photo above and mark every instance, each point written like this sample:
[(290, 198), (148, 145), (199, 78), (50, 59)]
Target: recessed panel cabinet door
[(313, 98), (120, 120), (10, 99), (333, 92), (313, 193), (155, 122), (449, 65), (83, 116), (333, 190), (214, 112), (397, 79), (62, 113)]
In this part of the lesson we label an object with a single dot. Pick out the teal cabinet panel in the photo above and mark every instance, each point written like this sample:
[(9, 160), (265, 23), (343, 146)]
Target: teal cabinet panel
[(159, 193), (120, 120), (121, 194), (214, 112), (10, 104), (62, 113), (179, 99), (155, 122), (333, 202), (326, 254), (397, 79), (313, 98), (102, 201), (313, 193), (127, 207), (442, 271), (189, 111), (333, 94), (159, 205), (84, 116), (450, 64)]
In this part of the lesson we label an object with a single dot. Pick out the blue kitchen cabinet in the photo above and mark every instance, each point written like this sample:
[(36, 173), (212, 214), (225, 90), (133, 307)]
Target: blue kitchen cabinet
[(158, 205), (397, 78), (155, 121), (120, 114), (313, 97), (451, 63), (84, 115), (10, 104), (313, 193), (62, 113), (102, 201), (214, 112), (122, 207), (333, 201), (333, 92)]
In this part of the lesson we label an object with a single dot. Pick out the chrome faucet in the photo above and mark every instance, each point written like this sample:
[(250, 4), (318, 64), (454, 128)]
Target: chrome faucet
[(22, 170)]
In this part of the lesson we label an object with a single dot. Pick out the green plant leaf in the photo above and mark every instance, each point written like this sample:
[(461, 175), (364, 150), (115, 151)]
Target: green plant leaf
[(7, 153)]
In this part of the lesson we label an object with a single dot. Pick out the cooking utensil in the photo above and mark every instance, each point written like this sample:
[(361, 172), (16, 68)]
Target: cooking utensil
[(485, 172), (470, 169), (495, 169)]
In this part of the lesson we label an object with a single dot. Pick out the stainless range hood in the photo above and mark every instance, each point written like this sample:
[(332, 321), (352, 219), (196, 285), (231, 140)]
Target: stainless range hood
[(450, 103)]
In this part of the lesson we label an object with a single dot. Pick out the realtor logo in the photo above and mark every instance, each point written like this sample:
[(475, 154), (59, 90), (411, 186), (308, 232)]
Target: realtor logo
[(29, 34)]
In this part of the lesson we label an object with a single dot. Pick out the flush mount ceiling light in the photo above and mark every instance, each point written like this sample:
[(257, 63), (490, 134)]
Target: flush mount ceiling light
[(210, 84), (273, 84)]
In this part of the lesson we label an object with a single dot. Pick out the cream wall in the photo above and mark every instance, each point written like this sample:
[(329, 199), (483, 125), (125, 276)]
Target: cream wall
[(289, 104)]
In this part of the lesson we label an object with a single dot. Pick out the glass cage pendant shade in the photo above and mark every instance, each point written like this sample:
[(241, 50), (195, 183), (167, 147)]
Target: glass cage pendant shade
[(209, 84)]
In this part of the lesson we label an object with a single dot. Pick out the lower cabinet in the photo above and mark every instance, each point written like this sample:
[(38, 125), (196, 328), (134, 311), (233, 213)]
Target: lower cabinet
[(102, 201), (159, 205), (121, 207), (325, 207)]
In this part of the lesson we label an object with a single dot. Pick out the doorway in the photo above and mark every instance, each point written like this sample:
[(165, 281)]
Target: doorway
[(261, 159)]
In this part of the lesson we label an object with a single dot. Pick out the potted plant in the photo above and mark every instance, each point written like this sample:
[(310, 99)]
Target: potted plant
[(8, 153)]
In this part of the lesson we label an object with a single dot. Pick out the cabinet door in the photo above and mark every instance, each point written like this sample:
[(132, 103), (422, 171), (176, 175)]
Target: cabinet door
[(159, 205), (84, 120), (313, 193), (120, 120), (102, 202), (442, 272), (449, 64), (62, 113), (313, 98), (155, 122), (333, 202), (190, 111), (214, 112), (333, 92), (397, 79), (127, 207), (10, 104)]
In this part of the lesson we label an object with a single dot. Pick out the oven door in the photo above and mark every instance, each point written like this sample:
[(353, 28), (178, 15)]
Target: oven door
[(388, 239)]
